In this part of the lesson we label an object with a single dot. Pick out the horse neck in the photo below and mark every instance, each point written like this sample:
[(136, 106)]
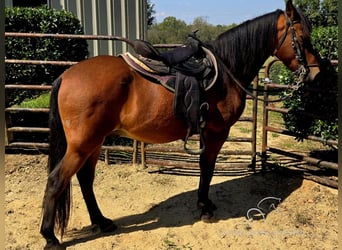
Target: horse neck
[(245, 48)]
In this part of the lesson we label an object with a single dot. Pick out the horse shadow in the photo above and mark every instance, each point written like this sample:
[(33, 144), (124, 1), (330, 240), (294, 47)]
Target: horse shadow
[(233, 198)]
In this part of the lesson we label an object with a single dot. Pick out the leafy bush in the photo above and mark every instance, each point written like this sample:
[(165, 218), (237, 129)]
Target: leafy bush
[(279, 73), (325, 40), (322, 104), (39, 20)]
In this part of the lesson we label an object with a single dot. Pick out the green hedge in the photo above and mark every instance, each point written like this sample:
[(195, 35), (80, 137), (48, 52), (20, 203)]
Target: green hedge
[(323, 103), (39, 20), (325, 40)]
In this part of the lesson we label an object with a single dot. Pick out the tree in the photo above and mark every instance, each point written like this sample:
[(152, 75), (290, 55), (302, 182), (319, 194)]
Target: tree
[(171, 30), (329, 11), (320, 12), (150, 13), (206, 31)]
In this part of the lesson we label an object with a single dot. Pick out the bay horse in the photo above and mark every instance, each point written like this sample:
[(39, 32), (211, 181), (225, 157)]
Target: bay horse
[(103, 95)]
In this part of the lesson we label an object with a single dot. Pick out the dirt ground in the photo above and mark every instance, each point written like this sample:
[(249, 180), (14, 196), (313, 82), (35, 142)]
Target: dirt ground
[(158, 211)]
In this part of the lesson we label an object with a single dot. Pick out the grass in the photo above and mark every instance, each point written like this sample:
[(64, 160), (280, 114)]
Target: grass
[(242, 128), (302, 219), (42, 101), (163, 180), (245, 130), (169, 242), (275, 135)]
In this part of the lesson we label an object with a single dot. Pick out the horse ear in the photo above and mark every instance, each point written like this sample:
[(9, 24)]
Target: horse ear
[(291, 11)]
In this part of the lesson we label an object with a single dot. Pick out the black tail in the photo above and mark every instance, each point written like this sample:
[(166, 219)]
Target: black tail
[(57, 150)]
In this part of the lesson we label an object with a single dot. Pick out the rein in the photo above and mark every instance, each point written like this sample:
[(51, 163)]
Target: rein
[(248, 92)]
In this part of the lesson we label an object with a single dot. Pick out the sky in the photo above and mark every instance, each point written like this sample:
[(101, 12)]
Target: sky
[(215, 12)]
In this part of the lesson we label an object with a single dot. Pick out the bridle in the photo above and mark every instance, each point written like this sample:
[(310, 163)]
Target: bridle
[(300, 74), (303, 67)]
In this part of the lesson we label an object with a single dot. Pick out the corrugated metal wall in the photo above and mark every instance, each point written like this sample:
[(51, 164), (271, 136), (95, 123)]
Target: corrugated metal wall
[(125, 18), (8, 3)]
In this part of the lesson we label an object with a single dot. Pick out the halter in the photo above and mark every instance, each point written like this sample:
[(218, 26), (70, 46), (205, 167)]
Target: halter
[(303, 68)]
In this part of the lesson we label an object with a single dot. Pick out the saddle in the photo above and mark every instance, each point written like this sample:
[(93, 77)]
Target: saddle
[(187, 80)]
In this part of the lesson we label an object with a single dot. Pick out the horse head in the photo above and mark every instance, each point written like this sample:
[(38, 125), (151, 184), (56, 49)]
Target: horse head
[(293, 45)]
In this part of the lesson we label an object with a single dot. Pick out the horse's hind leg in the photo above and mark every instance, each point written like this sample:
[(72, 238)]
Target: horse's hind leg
[(86, 179), (57, 196)]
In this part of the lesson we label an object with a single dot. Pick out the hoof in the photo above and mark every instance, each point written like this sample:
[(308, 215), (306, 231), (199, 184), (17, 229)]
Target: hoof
[(54, 246), (108, 226), (207, 217), (207, 211)]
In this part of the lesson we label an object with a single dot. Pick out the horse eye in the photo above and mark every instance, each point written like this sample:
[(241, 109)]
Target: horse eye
[(304, 40)]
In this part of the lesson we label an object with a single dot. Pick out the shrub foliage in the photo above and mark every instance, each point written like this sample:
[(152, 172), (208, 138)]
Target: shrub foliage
[(39, 20), (322, 103)]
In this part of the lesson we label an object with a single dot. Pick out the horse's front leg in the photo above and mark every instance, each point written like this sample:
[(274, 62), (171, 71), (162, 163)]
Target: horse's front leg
[(213, 144)]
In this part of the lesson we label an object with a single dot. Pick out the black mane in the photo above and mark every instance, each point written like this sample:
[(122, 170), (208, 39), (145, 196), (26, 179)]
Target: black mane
[(245, 48)]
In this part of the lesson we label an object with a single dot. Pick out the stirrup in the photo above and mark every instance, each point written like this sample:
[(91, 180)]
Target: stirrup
[(192, 151)]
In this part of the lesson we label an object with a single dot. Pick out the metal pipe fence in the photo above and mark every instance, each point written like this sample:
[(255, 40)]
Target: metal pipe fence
[(267, 149), (147, 154), (169, 154)]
